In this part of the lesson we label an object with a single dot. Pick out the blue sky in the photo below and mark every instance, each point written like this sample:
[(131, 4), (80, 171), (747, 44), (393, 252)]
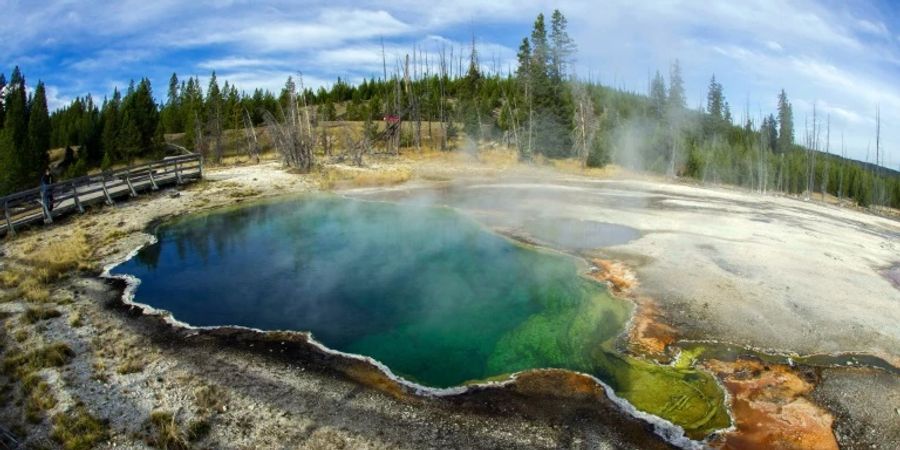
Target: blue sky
[(843, 57)]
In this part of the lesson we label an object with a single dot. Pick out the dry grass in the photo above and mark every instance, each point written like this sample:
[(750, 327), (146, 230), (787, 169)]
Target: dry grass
[(38, 398), (574, 166), (57, 259), (31, 276), (210, 398), (21, 365), (34, 315), (114, 235), (331, 177), (75, 319), (168, 435), (499, 158), (131, 364), (9, 278), (20, 335), (244, 193), (99, 371), (34, 290), (77, 429)]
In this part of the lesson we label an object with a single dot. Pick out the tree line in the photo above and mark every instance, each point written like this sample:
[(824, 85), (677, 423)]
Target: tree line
[(25, 136), (448, 99)]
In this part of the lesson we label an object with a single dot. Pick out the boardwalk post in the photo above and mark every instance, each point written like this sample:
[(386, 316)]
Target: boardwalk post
[(152, 180), (177, 173), (48, 218), (9, 224), (200, 161), (75, 198), (109, 200), (128, 181)]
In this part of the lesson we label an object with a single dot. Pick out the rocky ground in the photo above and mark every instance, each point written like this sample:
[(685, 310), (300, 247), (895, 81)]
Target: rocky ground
[(763, 272)]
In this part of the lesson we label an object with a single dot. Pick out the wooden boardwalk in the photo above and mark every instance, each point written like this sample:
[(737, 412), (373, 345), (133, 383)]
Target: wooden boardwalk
[(27, 207)]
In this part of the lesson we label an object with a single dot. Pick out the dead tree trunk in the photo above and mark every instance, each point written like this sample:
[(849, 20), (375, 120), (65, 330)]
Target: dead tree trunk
[(252, 142), (294, 137)]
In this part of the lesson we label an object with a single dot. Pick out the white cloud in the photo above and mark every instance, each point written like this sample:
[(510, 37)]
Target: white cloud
[(108, 59), (54, 99), (873, 27), (845, 114), (237, 62), (279, 34)]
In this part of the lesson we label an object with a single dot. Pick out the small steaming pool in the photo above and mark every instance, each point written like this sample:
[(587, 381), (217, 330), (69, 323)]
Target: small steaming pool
[(439, 300)]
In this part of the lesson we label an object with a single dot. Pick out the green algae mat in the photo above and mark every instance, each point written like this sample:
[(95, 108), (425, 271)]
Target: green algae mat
[(435, 297)]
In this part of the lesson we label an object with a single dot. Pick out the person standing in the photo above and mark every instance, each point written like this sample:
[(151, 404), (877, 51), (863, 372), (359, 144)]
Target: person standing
[(47, 190)]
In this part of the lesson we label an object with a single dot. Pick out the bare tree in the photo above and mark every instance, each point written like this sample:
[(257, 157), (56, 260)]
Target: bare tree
[(878, 186), (762, 171), (215, 130), (585, 122), (441, 106), (828, 152), (326, 144), (250, 134), (294, 137), (356, 149), (843, 165), (199, 141)]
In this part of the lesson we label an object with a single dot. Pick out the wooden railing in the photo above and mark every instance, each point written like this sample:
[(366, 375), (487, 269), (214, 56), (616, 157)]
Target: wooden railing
[(26, 207)]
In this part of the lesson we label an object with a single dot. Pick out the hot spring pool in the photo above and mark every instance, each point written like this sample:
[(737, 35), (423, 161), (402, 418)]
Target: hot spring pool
[(429, 293)]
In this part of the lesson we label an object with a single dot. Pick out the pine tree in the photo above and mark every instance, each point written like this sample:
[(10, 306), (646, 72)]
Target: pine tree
[(232, 111), (130, 136), (14, 136), (36, 159), (552, 104), (677, 100), (469, 97), (329, 113), (90, 133), (715, 102), (562, 46), (146, 113), (538, 66), (523, 70), (658, 97), (110, 134), (769, 133), (136, 135), (785, 123), (192, 111), (171, 113), (214, 116)]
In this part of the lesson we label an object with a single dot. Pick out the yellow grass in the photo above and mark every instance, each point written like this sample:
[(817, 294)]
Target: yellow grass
[(41, 266), (38, 397), (77, 429), (572, 165), (169, 435), (9, 278), (58, 258), (21, 365), (499, 158), (331, 177), (209, 398)]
